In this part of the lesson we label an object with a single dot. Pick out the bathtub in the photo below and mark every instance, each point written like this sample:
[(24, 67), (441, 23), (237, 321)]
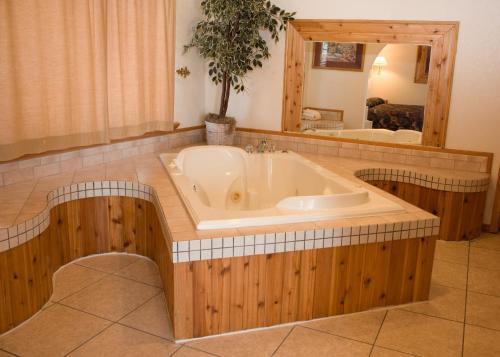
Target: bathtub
[(225, 187), (401, 136)]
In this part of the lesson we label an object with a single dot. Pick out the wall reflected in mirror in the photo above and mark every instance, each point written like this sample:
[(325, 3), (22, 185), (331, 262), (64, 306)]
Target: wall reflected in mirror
[(374, 92)]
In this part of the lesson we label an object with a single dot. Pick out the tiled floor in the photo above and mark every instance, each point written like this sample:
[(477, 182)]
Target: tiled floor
[(113, 305)]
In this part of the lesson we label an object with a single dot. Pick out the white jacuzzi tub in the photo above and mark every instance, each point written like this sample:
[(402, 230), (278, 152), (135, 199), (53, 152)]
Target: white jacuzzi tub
[(401, 136), (224, 187)]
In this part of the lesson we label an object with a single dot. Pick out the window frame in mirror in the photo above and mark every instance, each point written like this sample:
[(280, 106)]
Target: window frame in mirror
[(442, 36)]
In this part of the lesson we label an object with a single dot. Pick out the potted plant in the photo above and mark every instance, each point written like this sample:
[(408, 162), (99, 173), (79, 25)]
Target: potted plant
[(230, 38)]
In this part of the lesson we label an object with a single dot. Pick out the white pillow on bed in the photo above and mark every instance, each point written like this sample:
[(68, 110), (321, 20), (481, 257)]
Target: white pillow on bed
[(311, 114)]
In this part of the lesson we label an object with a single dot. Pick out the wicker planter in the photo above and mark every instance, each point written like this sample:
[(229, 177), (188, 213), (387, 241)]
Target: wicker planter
[(220, 131)]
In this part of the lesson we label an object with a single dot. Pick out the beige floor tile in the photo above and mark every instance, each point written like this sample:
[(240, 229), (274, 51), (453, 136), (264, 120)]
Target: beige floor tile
[(481, 342), (123, 341), (54, 332), (487, 241), (112, 297), (449, 274), (452, 252), (47, 305), (484, 281), (421, 335), (143, 270), (362, 326), (484, 258), (306, 342), (258, 343), (152, 317), (483, 310), (384, 352), (109, 263), (72, 278), (186, 351), (444, 302)]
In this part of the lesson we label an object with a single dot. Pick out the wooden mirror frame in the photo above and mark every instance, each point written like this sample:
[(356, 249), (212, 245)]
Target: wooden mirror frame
[(440, 35)]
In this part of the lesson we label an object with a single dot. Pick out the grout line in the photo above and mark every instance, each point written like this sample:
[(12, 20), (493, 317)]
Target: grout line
[(481, 326), (89, 339), (138, 281), (76, 292), (392, 349), (118, 322), (283, 341), (176, 350), (54, 282), (466, 298), (9, 353), (333, 334), (198, 349), (145, 332), (115, 273), (85, 312), (141, 305), (378, 332), (484, 268), (77, 262), (24, 205), (421, 313), (481, 293)]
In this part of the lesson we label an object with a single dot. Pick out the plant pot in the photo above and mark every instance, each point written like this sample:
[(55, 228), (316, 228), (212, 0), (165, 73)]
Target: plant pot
[(220, 131)]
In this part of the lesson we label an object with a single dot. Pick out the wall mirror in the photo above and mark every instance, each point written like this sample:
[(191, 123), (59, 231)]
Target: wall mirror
[(377, 81)]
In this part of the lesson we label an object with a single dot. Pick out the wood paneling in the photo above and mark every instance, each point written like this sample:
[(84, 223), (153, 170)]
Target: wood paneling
[(495, 216), (220, 295), (461, 213), (238, 293), (78, 228), (441, 36)]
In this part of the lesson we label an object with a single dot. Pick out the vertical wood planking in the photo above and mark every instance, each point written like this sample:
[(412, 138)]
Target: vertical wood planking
[(495, 217), (77, 229), (301, 285), (442, 36), (461, 213), (220, 295), (339, 281)]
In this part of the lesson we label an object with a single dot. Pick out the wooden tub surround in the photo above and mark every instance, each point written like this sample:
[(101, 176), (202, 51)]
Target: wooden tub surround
[(224, 280)]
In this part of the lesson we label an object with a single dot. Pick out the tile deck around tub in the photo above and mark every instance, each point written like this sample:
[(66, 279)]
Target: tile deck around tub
[(148, 180)]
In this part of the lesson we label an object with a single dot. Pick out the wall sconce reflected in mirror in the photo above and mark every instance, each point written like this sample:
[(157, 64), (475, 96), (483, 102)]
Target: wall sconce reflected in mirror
[(380, 62), (183, 72)]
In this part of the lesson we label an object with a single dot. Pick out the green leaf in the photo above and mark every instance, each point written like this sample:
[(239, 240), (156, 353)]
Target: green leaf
[(231, 36)]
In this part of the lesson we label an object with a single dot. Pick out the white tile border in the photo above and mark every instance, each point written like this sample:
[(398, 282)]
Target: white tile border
[(29, 229), (293, 241), (219, 247), (424, 180)]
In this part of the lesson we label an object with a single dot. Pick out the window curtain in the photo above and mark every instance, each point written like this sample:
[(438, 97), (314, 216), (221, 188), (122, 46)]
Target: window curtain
[(83, 72)]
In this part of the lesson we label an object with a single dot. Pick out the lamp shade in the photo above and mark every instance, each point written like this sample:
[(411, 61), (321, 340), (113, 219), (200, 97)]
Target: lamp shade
[(380, 61)]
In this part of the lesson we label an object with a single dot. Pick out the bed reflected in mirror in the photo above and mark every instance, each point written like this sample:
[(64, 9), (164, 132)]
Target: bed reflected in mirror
[(365, 91)]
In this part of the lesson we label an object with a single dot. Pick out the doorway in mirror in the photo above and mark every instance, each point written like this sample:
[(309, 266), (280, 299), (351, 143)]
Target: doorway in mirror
[(365, 91)]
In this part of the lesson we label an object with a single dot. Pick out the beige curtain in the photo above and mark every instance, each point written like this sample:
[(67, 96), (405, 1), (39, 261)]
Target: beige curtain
[(82, 72)]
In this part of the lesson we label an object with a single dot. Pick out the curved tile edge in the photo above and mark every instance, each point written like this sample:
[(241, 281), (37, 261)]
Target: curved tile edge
[(220, 247), (423, 180), (22, 232)]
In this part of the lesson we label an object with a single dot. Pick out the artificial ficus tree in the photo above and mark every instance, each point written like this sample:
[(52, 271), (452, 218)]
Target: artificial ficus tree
[(230, 37)]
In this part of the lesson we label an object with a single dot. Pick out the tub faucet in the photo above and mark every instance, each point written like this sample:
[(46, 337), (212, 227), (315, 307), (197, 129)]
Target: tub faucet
[(249, 148), (262, 145)]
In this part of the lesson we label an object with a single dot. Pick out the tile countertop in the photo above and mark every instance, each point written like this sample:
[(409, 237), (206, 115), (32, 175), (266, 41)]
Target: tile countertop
[(23, 201)]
